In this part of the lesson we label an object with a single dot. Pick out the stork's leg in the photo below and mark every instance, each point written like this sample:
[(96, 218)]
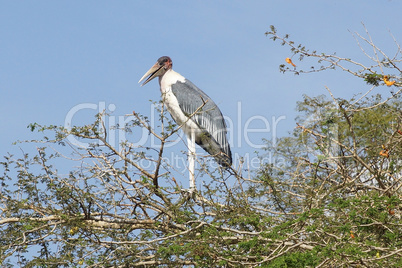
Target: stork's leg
[(191, 159)]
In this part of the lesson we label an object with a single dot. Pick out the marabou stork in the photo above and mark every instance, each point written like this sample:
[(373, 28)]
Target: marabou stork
[(192, 109)]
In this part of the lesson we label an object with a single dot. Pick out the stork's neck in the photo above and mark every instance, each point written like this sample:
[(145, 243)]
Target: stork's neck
[(168, 79)]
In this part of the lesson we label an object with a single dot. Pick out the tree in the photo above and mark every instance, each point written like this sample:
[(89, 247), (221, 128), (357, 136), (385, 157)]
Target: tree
[(333, 199)]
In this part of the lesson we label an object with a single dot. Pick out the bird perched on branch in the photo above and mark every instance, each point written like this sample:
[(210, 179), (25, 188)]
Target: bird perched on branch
[(193, 110)]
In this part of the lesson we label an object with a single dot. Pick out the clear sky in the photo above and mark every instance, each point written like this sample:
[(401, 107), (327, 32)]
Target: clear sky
[(58, 55)]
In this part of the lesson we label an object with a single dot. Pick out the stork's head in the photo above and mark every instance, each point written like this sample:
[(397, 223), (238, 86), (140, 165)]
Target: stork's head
[(160, 67)]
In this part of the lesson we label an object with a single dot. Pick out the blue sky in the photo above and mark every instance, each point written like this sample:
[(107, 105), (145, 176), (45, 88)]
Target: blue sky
[(55, 55)]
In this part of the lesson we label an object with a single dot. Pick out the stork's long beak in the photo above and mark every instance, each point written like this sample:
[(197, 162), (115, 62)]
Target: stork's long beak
[(155, 71)]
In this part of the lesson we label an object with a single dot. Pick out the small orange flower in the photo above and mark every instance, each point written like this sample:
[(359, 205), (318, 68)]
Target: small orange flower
[(288, 60), (384, 152), (387, 82), (352, 235), (391, 211), (399, 131)]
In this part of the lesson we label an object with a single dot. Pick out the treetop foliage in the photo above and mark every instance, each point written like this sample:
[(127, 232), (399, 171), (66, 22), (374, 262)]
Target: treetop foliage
[(330, 198)]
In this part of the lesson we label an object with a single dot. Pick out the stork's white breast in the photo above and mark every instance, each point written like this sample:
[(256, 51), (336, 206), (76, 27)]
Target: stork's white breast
[(175, 111), (172, 105)]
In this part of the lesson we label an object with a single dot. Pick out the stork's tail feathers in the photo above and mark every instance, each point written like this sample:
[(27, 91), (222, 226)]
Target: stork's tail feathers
[(222, 155), (224, 160)]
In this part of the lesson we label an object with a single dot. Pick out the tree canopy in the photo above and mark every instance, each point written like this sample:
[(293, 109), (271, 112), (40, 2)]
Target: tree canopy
[(332, 198)]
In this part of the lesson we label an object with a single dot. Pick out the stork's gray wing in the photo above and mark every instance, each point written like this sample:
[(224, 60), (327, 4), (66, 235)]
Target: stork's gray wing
[(209, 118)]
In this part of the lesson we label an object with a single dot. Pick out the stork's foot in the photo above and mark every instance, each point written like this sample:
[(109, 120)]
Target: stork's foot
[(188, 193)]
